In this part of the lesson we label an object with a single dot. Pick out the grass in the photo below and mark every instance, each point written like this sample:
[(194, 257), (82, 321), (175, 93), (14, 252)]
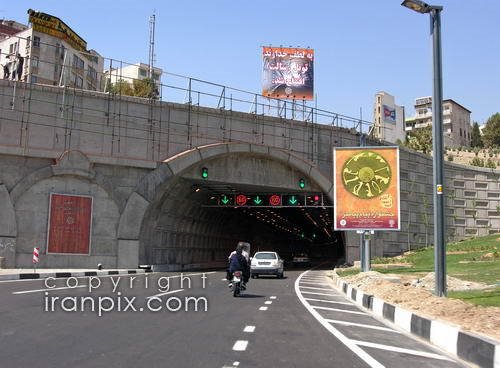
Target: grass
[(465, 260)]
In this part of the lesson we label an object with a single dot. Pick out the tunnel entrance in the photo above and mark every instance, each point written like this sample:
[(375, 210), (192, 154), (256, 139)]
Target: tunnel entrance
[(183, 227), (187, 230)]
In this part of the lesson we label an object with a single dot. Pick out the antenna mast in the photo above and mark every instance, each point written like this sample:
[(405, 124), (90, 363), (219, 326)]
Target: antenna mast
[(152, 20)]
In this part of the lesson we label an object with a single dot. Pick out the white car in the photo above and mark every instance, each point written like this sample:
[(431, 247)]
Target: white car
[(266, 263)]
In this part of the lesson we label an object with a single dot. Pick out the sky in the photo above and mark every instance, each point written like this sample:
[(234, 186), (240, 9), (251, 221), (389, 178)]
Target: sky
[(361, 47)]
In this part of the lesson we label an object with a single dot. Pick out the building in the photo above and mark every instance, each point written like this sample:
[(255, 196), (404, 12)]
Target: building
[(131, 72), (456, 121), (50, 52), (388, 119), (9, 28)]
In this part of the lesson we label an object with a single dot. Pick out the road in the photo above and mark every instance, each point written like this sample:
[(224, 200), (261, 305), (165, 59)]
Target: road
[(298, 321)]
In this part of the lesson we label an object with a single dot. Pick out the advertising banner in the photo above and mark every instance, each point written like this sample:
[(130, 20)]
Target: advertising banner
[(70, 221), (366, 184), (389, 114), (288, 73)]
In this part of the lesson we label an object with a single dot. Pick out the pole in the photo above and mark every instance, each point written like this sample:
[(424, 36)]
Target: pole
[(367, 265), (362, 255), (437, 135)]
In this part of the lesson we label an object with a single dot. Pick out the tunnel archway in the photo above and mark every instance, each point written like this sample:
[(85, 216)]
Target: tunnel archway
[(179, 229)]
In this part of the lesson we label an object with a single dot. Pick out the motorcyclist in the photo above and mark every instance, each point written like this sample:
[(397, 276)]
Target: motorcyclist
[(238, 262), (246, 253)]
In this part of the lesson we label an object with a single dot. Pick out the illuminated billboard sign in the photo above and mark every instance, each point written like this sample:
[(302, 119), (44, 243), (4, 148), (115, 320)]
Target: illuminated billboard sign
[(366, 182), (53, 26), (288, 73)]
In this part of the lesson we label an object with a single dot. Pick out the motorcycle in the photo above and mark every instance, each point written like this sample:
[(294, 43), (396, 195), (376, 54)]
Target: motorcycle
[(237, 285)]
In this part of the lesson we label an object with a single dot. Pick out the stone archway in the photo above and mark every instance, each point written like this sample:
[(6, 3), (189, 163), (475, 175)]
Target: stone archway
[(150, 191)]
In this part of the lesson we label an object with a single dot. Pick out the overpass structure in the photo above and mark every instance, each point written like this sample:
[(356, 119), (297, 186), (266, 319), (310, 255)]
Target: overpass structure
[(140, 161)]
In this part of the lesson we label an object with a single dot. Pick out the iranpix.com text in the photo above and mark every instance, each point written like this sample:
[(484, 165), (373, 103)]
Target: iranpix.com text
[(115, 301)]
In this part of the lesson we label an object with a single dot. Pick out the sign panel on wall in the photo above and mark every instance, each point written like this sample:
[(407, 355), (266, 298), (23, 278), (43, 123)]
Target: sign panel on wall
[(389, 114), (366, 182), (70, 221), (288, 73)]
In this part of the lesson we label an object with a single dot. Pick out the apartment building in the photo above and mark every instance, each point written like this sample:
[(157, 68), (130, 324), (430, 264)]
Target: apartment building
[(388, 119), (50, 52)]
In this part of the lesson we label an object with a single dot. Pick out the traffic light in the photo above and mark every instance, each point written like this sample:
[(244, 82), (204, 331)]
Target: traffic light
[(313, 199), (204, 173), (302, 183)]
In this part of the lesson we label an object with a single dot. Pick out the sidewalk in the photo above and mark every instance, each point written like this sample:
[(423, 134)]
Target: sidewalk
[(483, 351), (42, 273)]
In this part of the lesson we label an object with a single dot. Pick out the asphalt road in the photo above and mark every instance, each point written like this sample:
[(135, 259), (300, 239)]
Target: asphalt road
[(298, 321)]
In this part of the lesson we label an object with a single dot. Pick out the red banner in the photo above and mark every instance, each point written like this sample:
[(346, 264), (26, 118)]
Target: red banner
[(69, 224)]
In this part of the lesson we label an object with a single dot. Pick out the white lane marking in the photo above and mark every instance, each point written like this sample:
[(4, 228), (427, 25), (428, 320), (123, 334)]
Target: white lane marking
[(47, 289), (236, 364), (315, 293), (338, 310), (327, 301), (346, 341), (192, 274), (314, 283), (268, 302), (224, 279), (263, 308), (240, 345), (249, 329), (165, 293), (345, 323), (401, 350), (316, 288), (272, 297)]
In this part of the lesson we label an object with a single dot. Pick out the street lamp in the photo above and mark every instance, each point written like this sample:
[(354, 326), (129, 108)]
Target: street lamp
[(437, 137)]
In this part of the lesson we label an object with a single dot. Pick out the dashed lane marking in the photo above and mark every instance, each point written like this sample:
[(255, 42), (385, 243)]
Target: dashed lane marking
[(240, 345), (268, 302), (272, 297), (249, 329), (263, 308)]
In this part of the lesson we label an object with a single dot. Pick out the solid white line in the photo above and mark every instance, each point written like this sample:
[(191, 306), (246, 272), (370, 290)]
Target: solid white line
[(316, 288), (315, 293), (249, 329), (165, 293), (314, 283), (338, 310), (272, 297), (400, 350), (361, 325), (263, 308), (327, 301), (240, 345), (346, 341), (47, 289)]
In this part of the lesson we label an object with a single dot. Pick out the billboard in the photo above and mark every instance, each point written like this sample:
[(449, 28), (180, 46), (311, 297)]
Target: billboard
[(366, 185), (46, 23), (288, 73), (70, 220), (389, 114)]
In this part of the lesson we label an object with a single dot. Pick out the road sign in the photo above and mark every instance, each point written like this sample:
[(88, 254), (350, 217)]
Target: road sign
[(294, 200), (241, 199), (257, 200), (275, 200), (226, 200), (36, 254)]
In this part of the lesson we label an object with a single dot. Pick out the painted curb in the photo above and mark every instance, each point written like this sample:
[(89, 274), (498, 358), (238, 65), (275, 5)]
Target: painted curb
[(483, 351), (44, 275)]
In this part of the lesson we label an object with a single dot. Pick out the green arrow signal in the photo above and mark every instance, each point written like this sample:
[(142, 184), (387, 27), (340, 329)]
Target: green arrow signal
[(292, 200), (257, 200), (225, 200)]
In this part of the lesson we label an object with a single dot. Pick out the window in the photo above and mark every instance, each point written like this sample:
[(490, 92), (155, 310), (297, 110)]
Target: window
[(13, 48), (265, 256), (36, 41), (78, 81), (34, 62), (91, 73), (142, 72), (28, 42), (156, 76), (34, 79), (58, 47), (77, 62), (460, 132), (63, 52)]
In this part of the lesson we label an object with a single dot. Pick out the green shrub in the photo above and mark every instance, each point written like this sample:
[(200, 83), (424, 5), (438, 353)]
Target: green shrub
[(450, 157), (476, 161)]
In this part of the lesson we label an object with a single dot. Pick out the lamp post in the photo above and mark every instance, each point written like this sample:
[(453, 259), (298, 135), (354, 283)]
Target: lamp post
[(437, 138)]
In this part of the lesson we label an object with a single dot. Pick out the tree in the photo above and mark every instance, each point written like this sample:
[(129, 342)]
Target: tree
[(491, 131), (476, 140), (420, 139), (145, 88)]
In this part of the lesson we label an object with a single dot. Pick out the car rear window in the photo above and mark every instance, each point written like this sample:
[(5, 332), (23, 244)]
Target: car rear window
[(265, 256)]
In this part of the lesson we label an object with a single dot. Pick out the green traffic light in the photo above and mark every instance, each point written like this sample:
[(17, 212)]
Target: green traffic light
[(302, 183), (204, 173)]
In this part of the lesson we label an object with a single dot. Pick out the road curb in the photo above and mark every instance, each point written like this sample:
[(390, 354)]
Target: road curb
[(44, 275), (485, 352)]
